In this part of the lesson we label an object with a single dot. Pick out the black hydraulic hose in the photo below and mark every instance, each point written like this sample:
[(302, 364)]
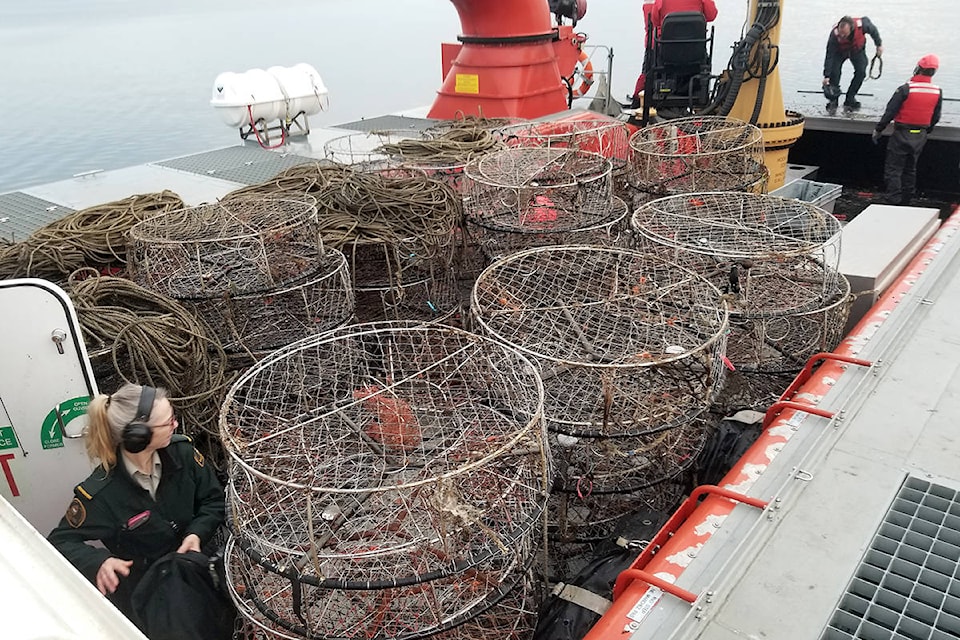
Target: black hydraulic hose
[(739, 65), (761, 87)]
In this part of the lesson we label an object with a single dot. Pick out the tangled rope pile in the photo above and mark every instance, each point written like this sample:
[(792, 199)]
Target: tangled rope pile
[(93, 237), (454, 145), (136, 335), (357, 206)]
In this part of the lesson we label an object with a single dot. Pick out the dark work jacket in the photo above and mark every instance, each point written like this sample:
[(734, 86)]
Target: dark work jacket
[(189, 500), (843, 48)]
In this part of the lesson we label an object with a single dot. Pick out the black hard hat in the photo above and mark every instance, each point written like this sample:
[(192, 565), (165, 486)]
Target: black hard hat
[(832, 91)]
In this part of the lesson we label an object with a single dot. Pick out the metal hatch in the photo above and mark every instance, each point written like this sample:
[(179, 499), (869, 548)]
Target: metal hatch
[(907, 585)]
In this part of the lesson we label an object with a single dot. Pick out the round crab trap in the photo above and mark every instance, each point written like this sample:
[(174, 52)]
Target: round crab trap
[(498, 237), (397, 229), (253, 268), (622, 465), (626, 343), (784, 343), (769, 255), (444, 150), (367, 146), (538, 188), (580, 517), (703, 153), (604, 136), (388, 455), (432, 297), (395, 281), (775, 259), (279, 601)]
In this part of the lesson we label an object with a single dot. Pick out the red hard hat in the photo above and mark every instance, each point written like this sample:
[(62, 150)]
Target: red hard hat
[(929, 61)]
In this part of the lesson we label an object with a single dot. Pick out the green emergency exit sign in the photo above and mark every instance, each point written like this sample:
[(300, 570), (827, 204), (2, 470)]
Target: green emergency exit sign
[(8, 439)]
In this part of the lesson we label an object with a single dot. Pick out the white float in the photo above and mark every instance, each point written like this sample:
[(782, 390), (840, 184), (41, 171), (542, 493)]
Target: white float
[(277, 93)]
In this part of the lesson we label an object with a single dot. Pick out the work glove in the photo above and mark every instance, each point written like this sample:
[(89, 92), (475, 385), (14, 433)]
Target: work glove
[(875, 136)]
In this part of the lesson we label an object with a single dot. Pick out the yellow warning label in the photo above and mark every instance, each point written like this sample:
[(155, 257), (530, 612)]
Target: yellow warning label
[(468, 83)]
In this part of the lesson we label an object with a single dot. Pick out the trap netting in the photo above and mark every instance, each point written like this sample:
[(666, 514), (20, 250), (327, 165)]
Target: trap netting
[(598, 134), (397, 228), (770, 255), (538, 189), (582, 516), (498, 237), (703, 153), (775, 259), (626, 343), (253, 269), (784, 343), (388, 456)]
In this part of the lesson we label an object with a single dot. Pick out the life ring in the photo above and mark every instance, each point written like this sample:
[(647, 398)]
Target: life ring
[(586, 76)]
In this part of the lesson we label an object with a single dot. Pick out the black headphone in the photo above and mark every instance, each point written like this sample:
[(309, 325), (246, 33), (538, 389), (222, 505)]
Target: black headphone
[(137, 434)]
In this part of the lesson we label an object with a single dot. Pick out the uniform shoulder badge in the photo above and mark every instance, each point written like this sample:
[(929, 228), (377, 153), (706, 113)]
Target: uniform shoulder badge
[(76, 513), (197, 457)]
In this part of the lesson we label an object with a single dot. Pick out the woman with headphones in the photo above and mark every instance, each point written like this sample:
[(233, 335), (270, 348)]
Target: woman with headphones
[(150, 494)]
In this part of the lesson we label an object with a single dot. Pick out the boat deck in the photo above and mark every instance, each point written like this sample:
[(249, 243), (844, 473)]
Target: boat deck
[(862, 535), (197, 178), (779, 573)]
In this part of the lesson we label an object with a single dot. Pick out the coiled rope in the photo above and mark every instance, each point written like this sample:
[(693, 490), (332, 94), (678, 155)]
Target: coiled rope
[(93, 237), (137, 335), (454, 145), (361, 206)]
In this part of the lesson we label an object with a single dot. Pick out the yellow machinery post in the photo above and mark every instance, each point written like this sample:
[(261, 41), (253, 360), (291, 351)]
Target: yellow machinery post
[(760, 99)]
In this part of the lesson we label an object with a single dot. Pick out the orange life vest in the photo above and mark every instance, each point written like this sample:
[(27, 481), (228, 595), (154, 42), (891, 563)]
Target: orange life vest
[(920, 104), (857, 40)]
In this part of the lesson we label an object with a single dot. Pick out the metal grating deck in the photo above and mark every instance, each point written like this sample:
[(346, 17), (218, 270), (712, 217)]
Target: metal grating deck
[(389, 123), (244, 164), (22, 214), (907, 585)]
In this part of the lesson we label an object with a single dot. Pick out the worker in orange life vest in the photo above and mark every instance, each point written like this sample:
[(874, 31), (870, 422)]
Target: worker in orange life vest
[(914, 109), (654, 11), (848, 40)]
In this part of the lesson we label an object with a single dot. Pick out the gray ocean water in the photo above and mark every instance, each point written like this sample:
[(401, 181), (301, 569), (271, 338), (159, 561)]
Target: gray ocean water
[(104, 84)]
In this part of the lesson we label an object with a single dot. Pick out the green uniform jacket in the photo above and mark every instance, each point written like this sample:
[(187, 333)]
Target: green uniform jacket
[(189, 500)]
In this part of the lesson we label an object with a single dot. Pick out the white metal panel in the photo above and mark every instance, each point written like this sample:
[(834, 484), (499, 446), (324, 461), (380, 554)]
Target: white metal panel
[(44, 597), (43, 399)]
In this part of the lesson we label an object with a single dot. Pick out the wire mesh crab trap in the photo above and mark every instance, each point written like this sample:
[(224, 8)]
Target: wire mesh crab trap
[(395, 282), (607, 137), (278, 599), (374, 467), (690, 155), (500, 237), (531, 189), (626, 343), (784, 343), (252, 269), (580, 517), (513, 617), (775, 259), (621, 465), (446, 148), (397, 228), (367, 146)]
